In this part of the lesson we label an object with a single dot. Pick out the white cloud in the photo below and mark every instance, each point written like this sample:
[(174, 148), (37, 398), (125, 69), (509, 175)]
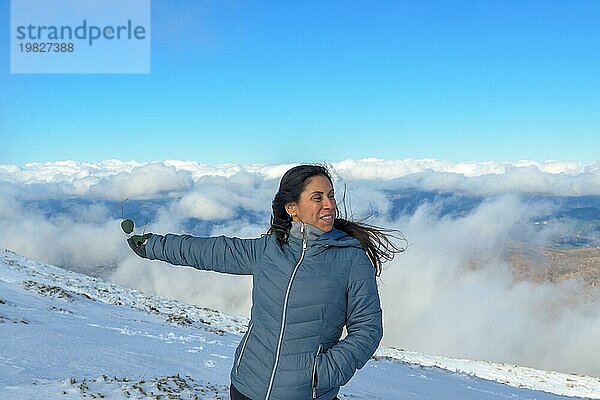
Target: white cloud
[(154, 179), (86, 238), (207, 289), (430, 289), (199, 205), (481, 178), (116, 178), (453, 293)]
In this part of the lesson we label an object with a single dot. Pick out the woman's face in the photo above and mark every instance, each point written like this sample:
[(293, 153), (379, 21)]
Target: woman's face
[(316, 205)]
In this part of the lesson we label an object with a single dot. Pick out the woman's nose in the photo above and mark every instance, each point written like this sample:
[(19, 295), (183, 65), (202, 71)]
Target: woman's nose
[(329, 203)]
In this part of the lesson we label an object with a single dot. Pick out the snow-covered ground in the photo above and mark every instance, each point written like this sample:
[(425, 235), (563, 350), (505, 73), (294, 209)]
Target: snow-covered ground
[(69, 336)]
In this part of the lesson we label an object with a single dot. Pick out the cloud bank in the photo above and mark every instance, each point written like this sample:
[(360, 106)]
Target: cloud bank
[(450, 293), (114, 179), (453, 293)]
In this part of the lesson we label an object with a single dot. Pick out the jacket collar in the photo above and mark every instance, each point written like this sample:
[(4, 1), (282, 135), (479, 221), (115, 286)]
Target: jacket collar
[(311, 231), (334, 237)]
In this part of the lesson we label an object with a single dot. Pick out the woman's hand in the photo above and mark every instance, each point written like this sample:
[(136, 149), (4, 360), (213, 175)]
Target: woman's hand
[(138, 244)]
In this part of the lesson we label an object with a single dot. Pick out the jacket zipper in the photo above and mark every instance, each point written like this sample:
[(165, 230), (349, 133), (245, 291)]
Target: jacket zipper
[(239, 360), (285, 304), (314, 374)]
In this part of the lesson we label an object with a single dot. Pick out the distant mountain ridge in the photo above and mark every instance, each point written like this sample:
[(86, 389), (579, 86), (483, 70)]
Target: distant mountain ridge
[(582, 212)]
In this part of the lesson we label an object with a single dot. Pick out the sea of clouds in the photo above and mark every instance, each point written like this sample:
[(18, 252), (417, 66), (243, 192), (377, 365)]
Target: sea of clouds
[(450, 293)]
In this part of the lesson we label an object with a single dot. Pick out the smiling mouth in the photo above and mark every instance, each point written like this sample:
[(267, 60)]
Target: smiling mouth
[(327, 218)]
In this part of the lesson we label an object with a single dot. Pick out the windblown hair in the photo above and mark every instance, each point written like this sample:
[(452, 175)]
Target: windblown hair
[(375, 240)]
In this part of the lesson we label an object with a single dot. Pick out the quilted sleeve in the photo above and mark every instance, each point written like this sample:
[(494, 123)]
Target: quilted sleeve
[(221, 254)]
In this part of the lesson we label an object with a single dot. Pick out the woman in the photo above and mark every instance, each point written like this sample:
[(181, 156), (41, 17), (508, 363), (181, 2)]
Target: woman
[(313, 273)]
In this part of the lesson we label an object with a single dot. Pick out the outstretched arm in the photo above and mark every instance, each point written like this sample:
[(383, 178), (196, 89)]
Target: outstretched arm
[(222, 254), (365, 329)]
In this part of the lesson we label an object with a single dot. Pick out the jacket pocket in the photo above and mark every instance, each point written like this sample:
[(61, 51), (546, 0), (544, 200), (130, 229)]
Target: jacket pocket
[(314, 373), (239, 360)]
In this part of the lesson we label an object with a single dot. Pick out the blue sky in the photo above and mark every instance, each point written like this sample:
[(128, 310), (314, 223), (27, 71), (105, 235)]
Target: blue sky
[(272, 82)]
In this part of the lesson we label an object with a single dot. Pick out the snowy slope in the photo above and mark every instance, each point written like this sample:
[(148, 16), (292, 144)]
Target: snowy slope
[(69, 336)]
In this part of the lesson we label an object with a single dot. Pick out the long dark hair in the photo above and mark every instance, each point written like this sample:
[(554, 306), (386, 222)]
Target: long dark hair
[(374, 239)]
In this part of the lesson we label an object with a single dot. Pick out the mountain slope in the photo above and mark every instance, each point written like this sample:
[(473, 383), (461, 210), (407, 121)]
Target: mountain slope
[(69, 336)]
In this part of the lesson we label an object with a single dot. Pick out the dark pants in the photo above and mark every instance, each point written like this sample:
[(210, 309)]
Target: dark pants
[(235, 395)]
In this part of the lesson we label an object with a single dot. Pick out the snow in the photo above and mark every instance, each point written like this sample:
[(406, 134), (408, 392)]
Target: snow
[(65, 335)]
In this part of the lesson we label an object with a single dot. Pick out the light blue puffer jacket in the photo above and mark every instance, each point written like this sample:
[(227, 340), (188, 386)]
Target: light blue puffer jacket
[(304, 292)]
